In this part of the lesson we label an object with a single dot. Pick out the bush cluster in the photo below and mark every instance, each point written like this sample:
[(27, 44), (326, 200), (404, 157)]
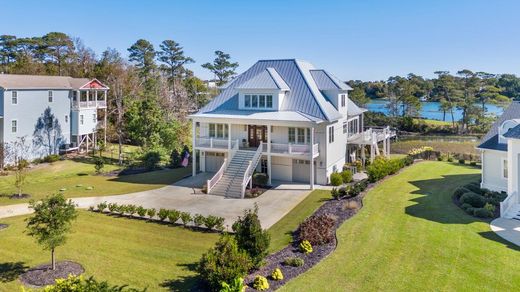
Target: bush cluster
[(336, 179), (382, 166), (293, 262), (79, 283), (277, 274), (424, 152), (317, 229), (478, 202), (51, 158), (237, 285), (305, 247), (210, 222), (349, 191), (260, 283)]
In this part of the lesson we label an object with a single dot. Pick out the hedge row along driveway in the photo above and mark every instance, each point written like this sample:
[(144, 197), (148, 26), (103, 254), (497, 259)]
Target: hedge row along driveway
[(411, 236)]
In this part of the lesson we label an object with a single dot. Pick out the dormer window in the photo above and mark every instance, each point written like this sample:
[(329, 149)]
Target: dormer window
[(343, 100), (258, 101)]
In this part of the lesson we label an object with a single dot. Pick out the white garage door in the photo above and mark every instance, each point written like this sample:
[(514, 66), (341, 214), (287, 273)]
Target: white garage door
[(214, 161), (300, 170)]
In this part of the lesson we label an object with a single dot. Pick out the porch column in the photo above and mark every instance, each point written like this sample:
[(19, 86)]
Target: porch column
[(384, 147), (194, 154), (388, 146), (311, 178), (269, 154), (372, 152), (229, 135), (105, 128), (203, 161)]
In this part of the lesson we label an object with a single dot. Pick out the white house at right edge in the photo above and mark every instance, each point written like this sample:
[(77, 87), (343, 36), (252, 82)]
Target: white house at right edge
[(285, 118), (500, 150)]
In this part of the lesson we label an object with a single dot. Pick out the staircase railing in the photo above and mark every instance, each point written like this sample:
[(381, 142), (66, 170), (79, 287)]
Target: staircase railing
[(216, 178), (250, 169), (506, 204)]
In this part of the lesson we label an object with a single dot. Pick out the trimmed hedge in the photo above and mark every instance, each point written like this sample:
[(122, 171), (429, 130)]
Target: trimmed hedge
[(477, 201), (382, 166)]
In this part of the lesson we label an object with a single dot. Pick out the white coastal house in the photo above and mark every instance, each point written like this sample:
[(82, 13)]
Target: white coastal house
[(500, 150), (283, 118), (74, 102)]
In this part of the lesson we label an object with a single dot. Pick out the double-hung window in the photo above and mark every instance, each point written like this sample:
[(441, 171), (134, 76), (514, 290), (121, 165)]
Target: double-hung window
[(261, 99), (81, 119), (504, 169), (269, 100), (301, 135), (254, 101), (14, 97), (218, 130), (292, 135), (343, 100), (331, 134), (258, 101), (345, 127), (94, 118), (50, 96), (14, 126), (247, 100)]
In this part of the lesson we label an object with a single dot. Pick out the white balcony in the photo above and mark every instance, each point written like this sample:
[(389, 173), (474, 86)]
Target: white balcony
[(77, 105), (289, 149)]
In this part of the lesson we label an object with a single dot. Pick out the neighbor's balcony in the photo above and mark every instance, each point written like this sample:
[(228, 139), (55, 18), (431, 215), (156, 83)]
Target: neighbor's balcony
[(276, 148), (77, 105)]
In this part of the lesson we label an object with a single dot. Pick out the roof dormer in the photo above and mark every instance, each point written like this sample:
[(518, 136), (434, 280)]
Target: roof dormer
[(264, 91), (505, 127), (334, 89)]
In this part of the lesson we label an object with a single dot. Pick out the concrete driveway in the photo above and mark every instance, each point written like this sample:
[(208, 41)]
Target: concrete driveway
[(273, 204)]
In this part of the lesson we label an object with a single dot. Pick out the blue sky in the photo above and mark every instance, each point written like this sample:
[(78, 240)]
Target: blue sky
[(364, 39)]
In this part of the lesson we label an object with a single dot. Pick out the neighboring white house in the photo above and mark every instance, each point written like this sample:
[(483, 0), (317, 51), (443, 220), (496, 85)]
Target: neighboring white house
[(283, 118), (73, 101), (500, 150)]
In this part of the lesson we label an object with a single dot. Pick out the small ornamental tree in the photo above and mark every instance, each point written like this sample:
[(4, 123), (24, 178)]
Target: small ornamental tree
[(51, 222), (19, 151), (251, 237)]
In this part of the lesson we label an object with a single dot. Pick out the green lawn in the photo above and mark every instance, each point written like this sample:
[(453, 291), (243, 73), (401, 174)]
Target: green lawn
[(443, 144), (282, 230), (409, 236), (119, 250), (77, 176), (433, 122)]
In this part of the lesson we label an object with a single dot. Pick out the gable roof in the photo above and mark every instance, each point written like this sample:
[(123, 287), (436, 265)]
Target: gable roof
[(353, 109), (513, 133), (304, 96), (267, 79), (16, 81), (511, 112), (327, 81)]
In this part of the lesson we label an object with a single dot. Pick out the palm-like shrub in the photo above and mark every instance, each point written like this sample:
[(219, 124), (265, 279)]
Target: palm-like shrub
[(173, 216), (210, 222), (151, 212), (163, 214), (113, 207), (102, 206), (141, 211), (198, 220), (131, 209), (185, 218)]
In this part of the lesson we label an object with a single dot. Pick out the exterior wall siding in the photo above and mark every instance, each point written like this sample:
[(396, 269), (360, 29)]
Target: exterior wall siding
[(492, 177)]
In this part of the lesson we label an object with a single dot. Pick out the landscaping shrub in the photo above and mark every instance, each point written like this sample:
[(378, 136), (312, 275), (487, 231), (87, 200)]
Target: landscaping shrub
[(102, 206), (260, 283), (113, 207), (277, 274), (336, 194), (450, 159), (237, 285), (185, 218), (224, 263), (482, 213), (473, 163), (163, 214), (51, 158), (80, 284), (251, 237), (151, 212), (141, 211), (346, 175), (490, 207), (99, 164), (210, 222), (173, 216), (473, 199), (131, 209), (151, 159), (459, 192), (220, 224), (336, 179), (122, 209), (305, 247), (475, 187), (175, 158), (198, 220), (260, 179), (317, 229), (351, 205), (293, 262), (462, 161)]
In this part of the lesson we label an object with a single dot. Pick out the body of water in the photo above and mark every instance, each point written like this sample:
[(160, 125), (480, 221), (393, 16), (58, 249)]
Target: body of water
[(431, 110)]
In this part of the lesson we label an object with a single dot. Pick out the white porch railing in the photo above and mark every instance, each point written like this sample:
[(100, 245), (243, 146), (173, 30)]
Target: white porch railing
[(293, 148), (506, 204), (89, 104), (217, 143), (250, 169)]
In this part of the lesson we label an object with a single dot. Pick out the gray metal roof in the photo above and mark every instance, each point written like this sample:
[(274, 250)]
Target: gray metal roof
[(513, 133), (267, 79), (512, 112), (353, 109), (327, 81), (304, 96), (16, 81), (493, 144)]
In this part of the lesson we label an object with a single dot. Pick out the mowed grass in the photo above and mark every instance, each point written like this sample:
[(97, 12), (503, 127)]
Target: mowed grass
[(409, 236), (119, 250), (76, 177), (281, 232)]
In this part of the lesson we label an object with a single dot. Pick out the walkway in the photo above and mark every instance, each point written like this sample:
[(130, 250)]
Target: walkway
[(273, 204), (508, 229)]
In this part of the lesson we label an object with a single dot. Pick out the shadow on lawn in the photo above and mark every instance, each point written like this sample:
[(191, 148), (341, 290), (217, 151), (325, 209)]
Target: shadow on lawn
[(185, 283), (493, 236), (11, 270), (435, 202), (165, 176)]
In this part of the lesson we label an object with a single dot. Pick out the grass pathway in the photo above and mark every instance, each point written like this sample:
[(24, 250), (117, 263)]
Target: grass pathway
[(410, 236)]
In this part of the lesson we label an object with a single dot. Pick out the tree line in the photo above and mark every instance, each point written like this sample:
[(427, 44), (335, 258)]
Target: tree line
[(151, 92), (466, 91)]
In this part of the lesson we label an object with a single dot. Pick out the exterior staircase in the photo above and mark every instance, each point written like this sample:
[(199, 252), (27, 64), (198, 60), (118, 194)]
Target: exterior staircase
[(514, 212), (230, 184)]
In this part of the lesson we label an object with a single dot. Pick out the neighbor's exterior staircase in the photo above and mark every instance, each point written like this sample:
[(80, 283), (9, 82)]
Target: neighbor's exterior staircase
[(514, 212), (235, 174)]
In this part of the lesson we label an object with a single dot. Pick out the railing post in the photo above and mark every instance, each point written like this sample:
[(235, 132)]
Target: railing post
[(208, 183), (290, 148), (210, 142)]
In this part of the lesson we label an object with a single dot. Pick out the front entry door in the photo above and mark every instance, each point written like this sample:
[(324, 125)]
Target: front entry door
[(256, 134)]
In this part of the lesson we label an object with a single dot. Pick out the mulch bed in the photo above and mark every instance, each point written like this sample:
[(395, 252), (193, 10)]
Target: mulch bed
[(43, 275), (17, 197), (3, 226), (333, 207)]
